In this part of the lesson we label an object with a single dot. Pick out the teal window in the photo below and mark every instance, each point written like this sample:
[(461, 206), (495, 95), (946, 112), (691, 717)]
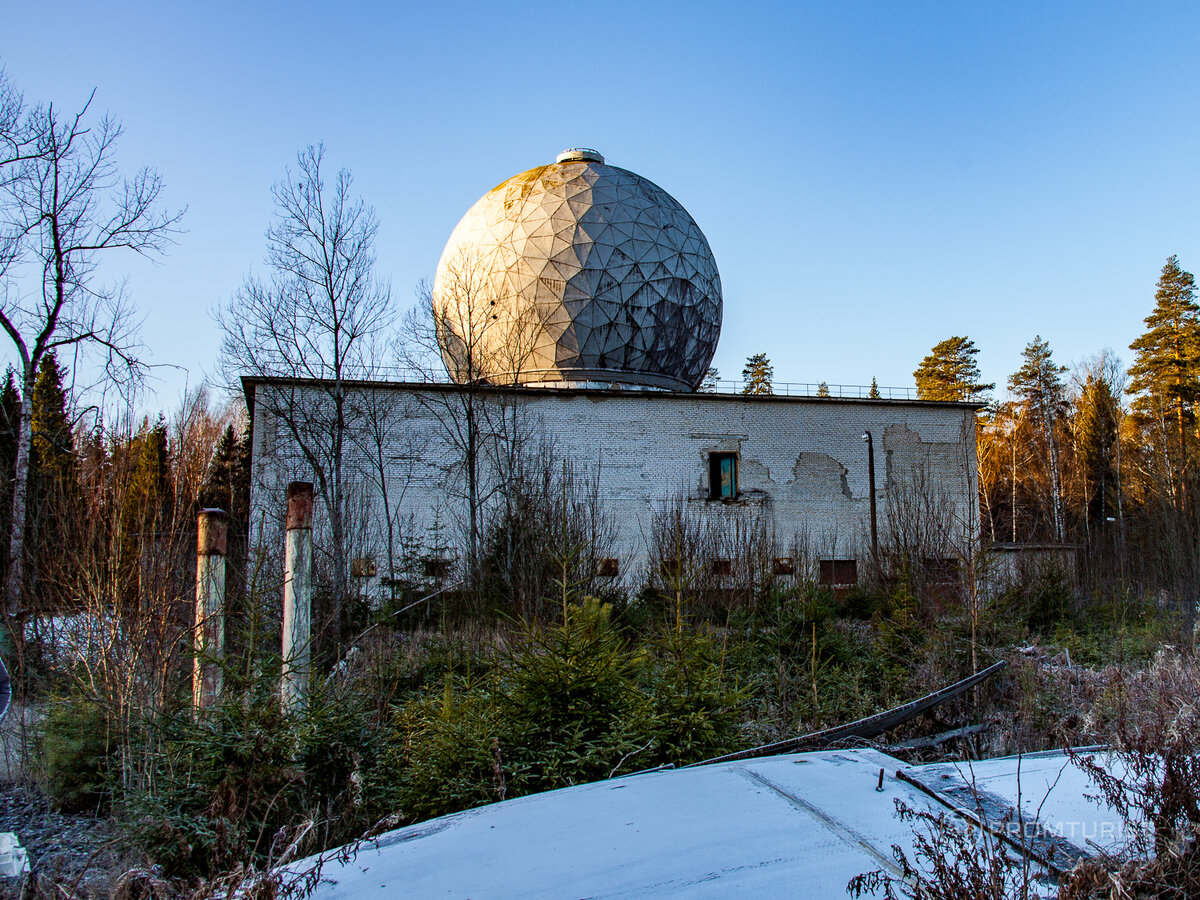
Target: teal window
[(722, 476)]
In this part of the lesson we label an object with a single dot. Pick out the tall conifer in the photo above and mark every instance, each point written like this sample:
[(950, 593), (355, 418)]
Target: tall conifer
[(949, 372), (1165, 375)]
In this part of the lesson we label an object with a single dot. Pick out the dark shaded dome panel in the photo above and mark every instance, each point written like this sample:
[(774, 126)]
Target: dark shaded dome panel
[(578, 272)]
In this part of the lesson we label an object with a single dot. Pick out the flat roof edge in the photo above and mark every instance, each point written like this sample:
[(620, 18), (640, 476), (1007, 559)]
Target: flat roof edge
[(249, 381)]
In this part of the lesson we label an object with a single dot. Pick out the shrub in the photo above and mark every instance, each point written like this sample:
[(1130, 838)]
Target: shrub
[(566, 695), (77, 752), (226, 780), (691, 712), (443, 754)]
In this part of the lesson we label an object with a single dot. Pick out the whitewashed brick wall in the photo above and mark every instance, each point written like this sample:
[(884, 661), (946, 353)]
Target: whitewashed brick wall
[(801, 461)]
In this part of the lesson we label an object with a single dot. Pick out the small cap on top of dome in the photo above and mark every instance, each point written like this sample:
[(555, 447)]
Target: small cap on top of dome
[(579, 154)]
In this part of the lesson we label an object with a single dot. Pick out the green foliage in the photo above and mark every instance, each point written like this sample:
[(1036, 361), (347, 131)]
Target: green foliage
[(227, 779), (1166, 371), (1096, 417), (76, 754), (1041, 601), (443, 753), (949, 372), (227, 482), (566, 693), (693, 713), (53, 448), (757, 375), (54, 496), (1039, 385)]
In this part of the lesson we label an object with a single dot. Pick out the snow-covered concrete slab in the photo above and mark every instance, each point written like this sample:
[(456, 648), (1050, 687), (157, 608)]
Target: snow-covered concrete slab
[(1049, 791), (800, 825), (792, 826)]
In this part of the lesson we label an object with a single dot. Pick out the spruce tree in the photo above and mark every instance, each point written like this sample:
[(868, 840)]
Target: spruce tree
[(53, 486), (1165, 375), (10, 415), (53, 447), (151, 474), (757, 375), (949, 372), (1096, 417), (227, 483), (1039, 386), (874, 395)]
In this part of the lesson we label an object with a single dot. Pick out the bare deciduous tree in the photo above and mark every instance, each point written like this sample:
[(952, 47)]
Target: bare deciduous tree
[(485, 342), (317, 322), (65, 205)]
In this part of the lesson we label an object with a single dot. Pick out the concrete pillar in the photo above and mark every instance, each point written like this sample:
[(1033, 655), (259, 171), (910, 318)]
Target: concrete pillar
[(297, 595), (209, 643)]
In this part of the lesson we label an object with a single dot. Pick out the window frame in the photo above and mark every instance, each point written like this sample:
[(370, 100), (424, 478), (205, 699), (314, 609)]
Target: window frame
[(716, 480)]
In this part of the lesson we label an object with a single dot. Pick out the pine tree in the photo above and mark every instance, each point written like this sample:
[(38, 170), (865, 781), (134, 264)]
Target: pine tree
[(53, 447), (874, 395), (950, 372), (1096, 417), (711, 377), (1039, 386), (757, 375), (227, 484), (822, 389), (1165, 375)]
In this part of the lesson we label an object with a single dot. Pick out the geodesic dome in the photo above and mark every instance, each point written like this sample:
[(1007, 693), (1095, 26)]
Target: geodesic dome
[(578, 272)]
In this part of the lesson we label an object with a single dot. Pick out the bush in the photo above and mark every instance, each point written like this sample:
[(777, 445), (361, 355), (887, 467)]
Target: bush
[(443, 754), (77, 752), (691, 712), (226, 780), (566, 695)]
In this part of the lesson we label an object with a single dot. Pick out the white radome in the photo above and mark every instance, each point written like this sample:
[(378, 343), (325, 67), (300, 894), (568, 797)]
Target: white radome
[(578, 273)]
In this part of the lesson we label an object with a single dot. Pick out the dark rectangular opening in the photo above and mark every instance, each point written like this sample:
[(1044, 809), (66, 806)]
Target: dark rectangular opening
[(721, 567), (834, 572), (608, 568), (436, 568), (722, 476), (784, 566), (941, 571)]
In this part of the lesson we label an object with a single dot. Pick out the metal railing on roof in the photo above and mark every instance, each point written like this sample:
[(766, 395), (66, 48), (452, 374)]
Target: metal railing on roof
[(820, 389), (720, 386)]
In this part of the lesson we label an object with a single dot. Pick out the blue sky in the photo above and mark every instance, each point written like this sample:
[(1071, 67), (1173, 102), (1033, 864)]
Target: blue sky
[(872, 177)]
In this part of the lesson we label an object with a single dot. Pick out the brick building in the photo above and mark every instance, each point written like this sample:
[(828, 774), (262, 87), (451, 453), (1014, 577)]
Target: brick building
[(577, 307)]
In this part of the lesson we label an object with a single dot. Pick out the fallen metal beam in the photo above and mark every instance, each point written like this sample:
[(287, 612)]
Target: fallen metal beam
[(864, 729), (938, 739)]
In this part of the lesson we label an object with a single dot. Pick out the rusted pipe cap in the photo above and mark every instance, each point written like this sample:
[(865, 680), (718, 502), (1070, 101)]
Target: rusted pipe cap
[(299, 505), (212, 531)]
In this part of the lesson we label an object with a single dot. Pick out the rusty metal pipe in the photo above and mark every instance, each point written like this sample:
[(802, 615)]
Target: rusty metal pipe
[(297, 596), (212, 532), (871, 489)]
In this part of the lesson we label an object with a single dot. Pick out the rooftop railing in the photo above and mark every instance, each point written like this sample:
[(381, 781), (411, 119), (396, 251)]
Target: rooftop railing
[(720, 386), (819, 389)]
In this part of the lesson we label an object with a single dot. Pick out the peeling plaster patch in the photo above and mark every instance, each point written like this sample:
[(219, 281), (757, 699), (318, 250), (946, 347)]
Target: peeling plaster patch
[(752, 473), (820, 473), (897, 439), (906, 453)]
